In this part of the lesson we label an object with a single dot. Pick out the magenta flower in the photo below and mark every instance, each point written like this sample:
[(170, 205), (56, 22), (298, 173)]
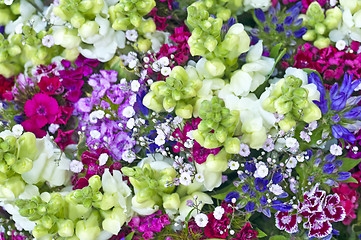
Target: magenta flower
[(41, 109), (64, 139), (49, 85)]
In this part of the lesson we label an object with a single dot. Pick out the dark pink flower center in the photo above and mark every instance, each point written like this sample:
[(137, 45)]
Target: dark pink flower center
[(41, 110)]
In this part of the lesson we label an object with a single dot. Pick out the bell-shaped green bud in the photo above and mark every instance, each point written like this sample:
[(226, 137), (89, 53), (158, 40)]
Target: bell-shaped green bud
[(66, 228), (153, 102), (95, 183), (287, 123), (333, 18), (107, 202), (171, 201), (310, 35), (283, 105), (47, 221), (39, 231), (211, 141), (9, 158), (311, 113), (88, 29), (27, 146), (300, 103), (320, 28), (232, 145), (268, 104), (221, 134), (22, 165), (88, 229), (184, 110), (322, 42), (315, 13)]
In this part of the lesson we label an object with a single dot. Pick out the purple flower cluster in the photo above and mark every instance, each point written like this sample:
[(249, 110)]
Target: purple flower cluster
[(104, 115)]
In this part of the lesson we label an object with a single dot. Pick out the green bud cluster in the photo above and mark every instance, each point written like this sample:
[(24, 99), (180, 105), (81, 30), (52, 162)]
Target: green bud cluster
[(217, 126), (9, 13), (320, 26), (87, 196), (177, 92), (77, 215), (206, 30), (78, 12), (16, 158), (49, 215), (18, 49), (150, 183), (290, 100), (127, 15)]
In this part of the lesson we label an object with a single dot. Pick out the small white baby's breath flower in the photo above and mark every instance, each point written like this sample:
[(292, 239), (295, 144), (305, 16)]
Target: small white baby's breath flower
[(76, 166), (340, 45), (335, 150), (135, 85), (131, 35), (164, 61), (128, 112), (201, 219), (199, 177), (233, 165), (218, 212), (165, 71), (130, 123), (53, 127), (17, 130), (48, 41), (95, 134), (185, 179)]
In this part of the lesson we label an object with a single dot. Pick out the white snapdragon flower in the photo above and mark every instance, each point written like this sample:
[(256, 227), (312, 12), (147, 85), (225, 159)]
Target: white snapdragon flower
[(50, 165), (252, 4), (102, 45)]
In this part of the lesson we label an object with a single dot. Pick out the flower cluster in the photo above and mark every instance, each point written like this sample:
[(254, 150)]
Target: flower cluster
[(180, 120)]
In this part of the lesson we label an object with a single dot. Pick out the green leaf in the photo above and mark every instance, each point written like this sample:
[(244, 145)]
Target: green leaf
[(350, 180), (130, 236), (309, 70), (189, 215), (223, 192), (348, 164), (275, 50), (260, 233), (278, 237)]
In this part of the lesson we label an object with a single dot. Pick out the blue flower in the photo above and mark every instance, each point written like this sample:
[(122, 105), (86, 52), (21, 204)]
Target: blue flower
[(260, 14), (338, 97), (328, 168), (250, 206), (261, 184), (231, 195), (277, 177)]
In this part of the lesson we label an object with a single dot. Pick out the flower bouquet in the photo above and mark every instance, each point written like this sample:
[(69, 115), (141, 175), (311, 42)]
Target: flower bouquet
[(177, 120)]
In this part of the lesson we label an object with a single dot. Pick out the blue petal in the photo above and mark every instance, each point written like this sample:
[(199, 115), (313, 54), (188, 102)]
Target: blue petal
[(260, 14)]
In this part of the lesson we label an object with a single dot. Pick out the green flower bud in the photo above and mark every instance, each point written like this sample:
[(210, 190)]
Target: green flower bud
[(147, 26), (211, 141), (89, 228), (163, 184), (127, 171), (89, 29), (315, 13), (293, 81), (215, 67), (71, 54), (95, 183), (55, 204), (169, 172), (184, 110), (77, 20), (171, 201), (143, 45), (85, 5), (333, 18), (144, 194), (27, 146), (216, 164), (137, 184), (121, 24), (151, 101), (47, 221), (107, 202), (287, 123), (9, 158), (14, 50), (283, 105), (310, 35), (320, 28), (311, 113), (66, 228), (322, 42), (300, 103), (224, 14), (39, 231), (135, 19), (221, 134), (232, 145), (22, 165), (199, 136), (268, 104)]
